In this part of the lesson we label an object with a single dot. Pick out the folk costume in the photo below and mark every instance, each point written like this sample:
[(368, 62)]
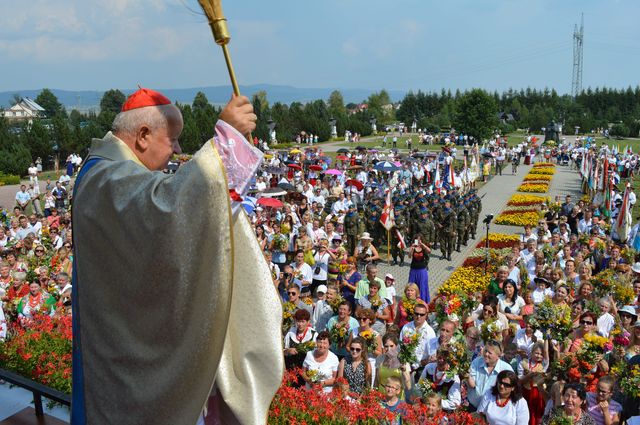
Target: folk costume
[(166, 277)]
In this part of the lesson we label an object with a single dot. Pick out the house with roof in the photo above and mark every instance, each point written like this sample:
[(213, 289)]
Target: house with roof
[(25, 110)]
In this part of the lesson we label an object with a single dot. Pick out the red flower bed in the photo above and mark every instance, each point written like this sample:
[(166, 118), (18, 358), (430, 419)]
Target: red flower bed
[(473, 262), (293, 405), (41, 351), (498, 244)]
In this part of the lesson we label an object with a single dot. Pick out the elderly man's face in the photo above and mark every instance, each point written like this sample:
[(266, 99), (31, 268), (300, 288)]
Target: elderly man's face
[(158, 145)]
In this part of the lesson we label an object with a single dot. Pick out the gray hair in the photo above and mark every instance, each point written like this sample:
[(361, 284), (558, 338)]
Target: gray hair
[(19, 276), (129, 122)]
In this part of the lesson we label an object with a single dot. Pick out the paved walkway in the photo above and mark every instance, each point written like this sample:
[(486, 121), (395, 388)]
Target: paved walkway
[(496, 194)]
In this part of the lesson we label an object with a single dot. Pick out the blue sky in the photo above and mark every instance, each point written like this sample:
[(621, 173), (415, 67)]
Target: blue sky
[(400, 44)]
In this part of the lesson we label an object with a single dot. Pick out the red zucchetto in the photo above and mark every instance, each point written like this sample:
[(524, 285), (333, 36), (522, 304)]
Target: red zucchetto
[(145, 97)]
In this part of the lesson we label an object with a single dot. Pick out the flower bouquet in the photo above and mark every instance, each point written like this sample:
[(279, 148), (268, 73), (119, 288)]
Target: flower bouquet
[(408, 346), (561, 419), (280, 242), (315, 376), (604, 282), (620, 337), (491, 329), (409, 307), (445, 307), (376, 302), (305, 347), (630, 382), (288, 309), (339, 333), (335, 303), (370, 337), (460, 359), (554, 319)]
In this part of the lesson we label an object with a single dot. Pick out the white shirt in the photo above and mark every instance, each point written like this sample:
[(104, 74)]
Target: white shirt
[(524, 342), (539, 295), (454, 398), (325, 369), (510, 414), (321, 315), (322, 264), (426, 333), (305, 270), (605, 324), (515, 308)]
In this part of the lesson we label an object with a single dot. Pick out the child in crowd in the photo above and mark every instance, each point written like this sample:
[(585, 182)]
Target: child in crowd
[(392, 401), (542, 290), (606, 321), (433, 404), (511, 356)]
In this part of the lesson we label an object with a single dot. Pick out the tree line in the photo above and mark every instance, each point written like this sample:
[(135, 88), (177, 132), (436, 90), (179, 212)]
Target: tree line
[(475, 112)]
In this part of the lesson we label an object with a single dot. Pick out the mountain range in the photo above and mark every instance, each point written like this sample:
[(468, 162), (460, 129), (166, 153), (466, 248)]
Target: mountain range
[(218, 95)]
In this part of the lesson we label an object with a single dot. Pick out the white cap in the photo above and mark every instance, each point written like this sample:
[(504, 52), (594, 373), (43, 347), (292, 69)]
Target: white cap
[(322, 288)]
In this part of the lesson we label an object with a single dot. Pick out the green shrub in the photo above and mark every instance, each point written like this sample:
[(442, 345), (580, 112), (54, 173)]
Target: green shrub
[(7, 179)]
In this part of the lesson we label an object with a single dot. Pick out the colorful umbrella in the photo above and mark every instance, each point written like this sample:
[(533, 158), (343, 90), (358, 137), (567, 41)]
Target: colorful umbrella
[(315, 167), (286, 186), (295, 151), (386, 166), (296, 166), (270, 202), (274, 191), (341, 158), (333, 172), (353, 182), (342, 150)]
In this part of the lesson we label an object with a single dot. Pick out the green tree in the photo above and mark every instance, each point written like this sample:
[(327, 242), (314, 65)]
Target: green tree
[(49, 102), (112, 101), (476, 114), (200, 102), (336, 104)]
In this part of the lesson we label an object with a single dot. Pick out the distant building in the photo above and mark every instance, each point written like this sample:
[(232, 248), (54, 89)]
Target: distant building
[(25, 110)]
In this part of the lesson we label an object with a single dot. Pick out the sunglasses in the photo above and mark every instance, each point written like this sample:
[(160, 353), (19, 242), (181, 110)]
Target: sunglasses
[(506, 384), (39, 250), (363, 318), (355, 350), (584, 322), (420, 314), (292, 293)]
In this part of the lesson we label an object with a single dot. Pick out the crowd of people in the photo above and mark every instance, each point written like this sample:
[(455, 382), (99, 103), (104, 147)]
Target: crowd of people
[(553, 337), (324, 226)]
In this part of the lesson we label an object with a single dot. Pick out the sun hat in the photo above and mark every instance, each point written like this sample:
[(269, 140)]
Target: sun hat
[(366, 235), (636, 267), (322, 288), (629, 309), (389, 276)]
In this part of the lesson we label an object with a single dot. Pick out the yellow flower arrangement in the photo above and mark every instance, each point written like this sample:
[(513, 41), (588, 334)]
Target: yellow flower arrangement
[(518, 219), (543, 164), (502, 237), (542, 177), (537, 188), (467, 280), (520, 199)]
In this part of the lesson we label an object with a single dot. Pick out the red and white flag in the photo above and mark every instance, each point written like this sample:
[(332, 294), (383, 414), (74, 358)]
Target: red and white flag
[(623, 221), (401, 242), (387, 217), (436, 179)]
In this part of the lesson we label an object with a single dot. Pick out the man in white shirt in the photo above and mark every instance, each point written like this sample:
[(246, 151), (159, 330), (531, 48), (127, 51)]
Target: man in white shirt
[(317, 197), (339, 205), (64, 178), (427, 334), (584, 225), (484, 371), (528, 255)]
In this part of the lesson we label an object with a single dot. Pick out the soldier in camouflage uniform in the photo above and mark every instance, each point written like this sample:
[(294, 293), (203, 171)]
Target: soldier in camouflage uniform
[(462, 224), (446, 226), (352, 228), (372, 220), (477, 209)]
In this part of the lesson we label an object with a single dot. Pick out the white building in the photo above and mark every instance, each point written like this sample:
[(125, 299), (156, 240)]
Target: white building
[(26, 109)]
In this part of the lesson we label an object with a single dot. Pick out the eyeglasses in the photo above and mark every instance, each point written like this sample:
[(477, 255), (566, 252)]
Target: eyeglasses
[(292, 293), (506, 384), (363, 318), (355, 350), (393, 387), (585, 322), (420, 314), (39, 250)]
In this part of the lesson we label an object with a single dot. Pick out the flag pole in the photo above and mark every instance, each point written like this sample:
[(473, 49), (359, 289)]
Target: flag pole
[(389, 246)]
